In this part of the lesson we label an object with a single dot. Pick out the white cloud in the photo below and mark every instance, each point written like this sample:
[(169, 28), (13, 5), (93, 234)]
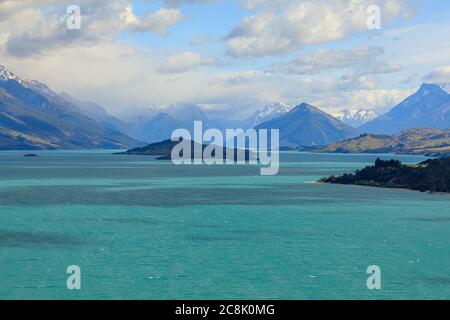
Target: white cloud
[(290, 25), (377, 99), (186, 61), (438, 75), (361, 60), (157, 22), (28, 30)]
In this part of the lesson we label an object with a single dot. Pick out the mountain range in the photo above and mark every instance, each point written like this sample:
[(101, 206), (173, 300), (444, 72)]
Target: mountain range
[(153, 125), (32, 116)]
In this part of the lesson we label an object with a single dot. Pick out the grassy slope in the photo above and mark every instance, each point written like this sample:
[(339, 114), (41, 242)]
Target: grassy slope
[(412, 141)]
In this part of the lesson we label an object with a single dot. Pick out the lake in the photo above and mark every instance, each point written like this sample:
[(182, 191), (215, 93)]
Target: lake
[(140, 228)]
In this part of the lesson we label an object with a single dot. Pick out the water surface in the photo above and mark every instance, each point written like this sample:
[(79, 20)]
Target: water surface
[(145, 229)]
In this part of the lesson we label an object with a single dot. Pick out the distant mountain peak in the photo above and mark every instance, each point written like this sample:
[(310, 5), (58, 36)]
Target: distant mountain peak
[(6, 75), (269, 112), (307, 107), (355, 117), (274, 108), (431, 88), (307, 125)]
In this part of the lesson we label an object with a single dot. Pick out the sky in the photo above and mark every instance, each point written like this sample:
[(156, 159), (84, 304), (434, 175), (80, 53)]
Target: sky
[(231, 57)]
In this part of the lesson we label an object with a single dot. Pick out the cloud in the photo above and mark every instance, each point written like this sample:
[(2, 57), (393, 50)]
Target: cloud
[(245, 77), (361, 60), (186, 61), (438, 75), (157, 22), (376, 99), (29, 30), (289, 25), (11, 7)]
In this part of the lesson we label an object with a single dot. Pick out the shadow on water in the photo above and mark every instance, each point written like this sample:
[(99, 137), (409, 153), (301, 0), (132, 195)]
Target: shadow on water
[(210, 238), (166, 197), (432, 219), (23, 239)]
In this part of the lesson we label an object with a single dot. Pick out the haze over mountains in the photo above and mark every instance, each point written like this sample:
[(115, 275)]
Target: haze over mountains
[(155, 125), (32, 116)]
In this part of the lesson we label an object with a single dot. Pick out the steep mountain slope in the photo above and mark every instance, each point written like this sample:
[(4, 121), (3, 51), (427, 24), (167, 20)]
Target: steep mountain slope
[(97, 113), (22, 128), (31, 109), (429, 107), (307, 125)]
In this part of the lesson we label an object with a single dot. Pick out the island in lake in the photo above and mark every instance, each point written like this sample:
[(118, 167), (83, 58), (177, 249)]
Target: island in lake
[(164, 149), (432, 175)]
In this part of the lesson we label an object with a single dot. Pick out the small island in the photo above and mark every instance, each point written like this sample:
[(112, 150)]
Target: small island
[(163, 151), (429, 176)]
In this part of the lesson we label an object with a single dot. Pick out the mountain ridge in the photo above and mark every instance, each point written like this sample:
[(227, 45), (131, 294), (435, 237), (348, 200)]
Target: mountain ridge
[(428, 142), (35, 117)]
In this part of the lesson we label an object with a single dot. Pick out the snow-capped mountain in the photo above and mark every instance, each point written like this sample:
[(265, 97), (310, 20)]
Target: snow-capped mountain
[(268, 113), (6, 75), (355, 117)]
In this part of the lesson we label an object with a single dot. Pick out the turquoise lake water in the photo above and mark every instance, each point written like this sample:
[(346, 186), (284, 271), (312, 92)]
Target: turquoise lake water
[(146, 229)]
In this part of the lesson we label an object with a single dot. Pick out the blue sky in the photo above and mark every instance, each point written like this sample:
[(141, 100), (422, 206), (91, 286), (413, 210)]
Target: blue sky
[(231, 57)]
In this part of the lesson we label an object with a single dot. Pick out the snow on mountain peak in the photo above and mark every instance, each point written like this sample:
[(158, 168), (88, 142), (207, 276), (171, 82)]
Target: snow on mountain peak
[(355, 117), (274, 109), (269, 112), (6, 75)]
